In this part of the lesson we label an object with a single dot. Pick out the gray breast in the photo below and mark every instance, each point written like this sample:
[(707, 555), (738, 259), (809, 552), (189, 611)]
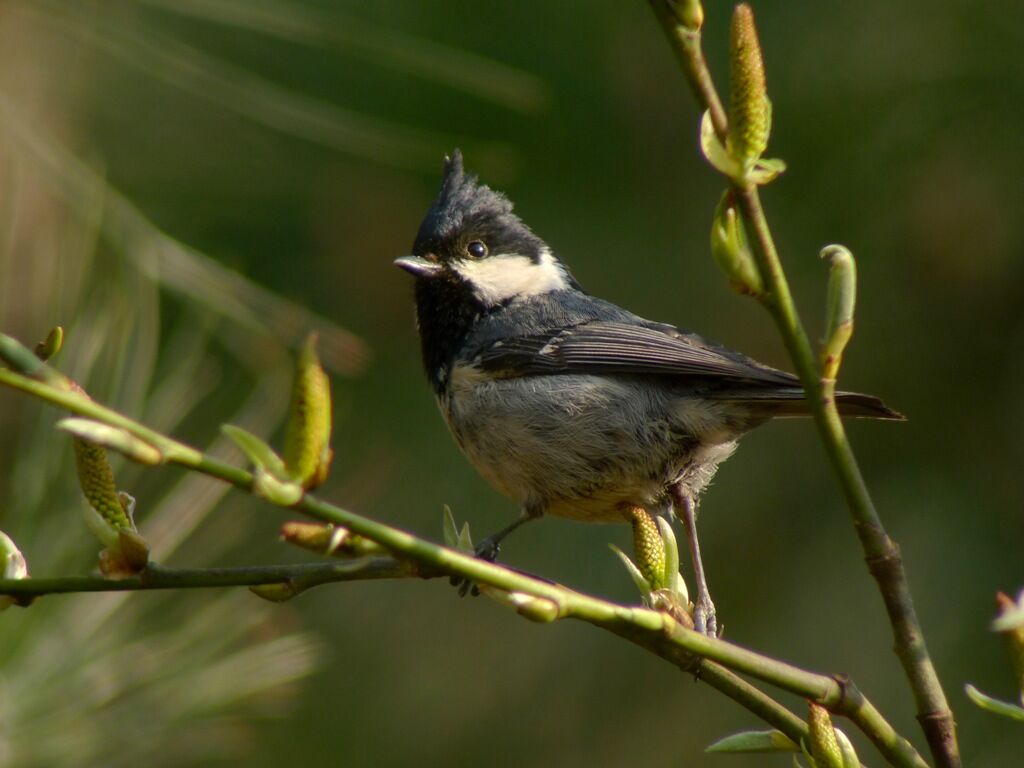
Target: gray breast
[(579, 446)]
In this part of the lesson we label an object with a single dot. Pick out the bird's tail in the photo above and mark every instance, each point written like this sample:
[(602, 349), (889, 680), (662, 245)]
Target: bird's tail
[(790, 401)]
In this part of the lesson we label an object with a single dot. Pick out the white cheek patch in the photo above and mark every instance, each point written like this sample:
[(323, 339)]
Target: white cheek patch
[(504, 276)]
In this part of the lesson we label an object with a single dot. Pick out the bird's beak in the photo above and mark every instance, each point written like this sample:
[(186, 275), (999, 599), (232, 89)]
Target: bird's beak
[(419, 266)]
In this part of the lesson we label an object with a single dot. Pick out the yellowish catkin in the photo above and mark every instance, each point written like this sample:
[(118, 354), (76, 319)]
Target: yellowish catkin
[(648, 547), (749, 109), (96, 479)]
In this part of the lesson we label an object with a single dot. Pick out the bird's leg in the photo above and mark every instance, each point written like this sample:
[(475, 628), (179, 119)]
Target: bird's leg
[(703, 609), (488, 548)]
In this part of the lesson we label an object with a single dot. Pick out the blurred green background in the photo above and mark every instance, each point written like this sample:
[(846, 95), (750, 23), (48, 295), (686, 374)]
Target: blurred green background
[(299, 144)]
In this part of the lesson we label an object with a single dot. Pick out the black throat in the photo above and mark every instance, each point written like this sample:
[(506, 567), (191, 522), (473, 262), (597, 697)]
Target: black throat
[(445, 312)]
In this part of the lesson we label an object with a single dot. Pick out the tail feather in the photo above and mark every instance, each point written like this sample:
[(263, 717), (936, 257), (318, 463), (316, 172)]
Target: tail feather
[(866, 406), (791, 402)]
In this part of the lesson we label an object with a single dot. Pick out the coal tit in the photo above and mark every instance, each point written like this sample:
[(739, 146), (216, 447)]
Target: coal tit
[(568, 404)]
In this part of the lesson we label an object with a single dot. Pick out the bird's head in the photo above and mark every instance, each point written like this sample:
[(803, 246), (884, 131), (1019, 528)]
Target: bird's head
[(471, 238)]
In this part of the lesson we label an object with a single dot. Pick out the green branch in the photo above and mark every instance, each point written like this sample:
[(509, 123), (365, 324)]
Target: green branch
[(711, 659), (880, 551), (299, 577)]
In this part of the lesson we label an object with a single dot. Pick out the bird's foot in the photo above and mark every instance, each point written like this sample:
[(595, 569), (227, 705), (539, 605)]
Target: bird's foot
[(486, 550)]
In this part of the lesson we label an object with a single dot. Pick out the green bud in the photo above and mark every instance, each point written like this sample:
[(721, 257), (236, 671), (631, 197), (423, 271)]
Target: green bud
[(12, 562), (532, 607), (307, 448), (839, 307), (823, 743), (275, 593), (538, 609), (750, 112), (731, 252), (674, 582), (12, 566), (689, 13), (329, 540), (51, 345), (1014, 635), (281, 493), (850, 759), (256, 450), (96, 433), (25, 362), (315, 537)]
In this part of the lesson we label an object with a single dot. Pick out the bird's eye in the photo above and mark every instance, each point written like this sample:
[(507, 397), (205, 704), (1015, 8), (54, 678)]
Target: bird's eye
[(476, 249)]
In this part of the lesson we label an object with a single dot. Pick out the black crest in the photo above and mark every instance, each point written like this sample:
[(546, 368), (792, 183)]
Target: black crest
[(464, 205)]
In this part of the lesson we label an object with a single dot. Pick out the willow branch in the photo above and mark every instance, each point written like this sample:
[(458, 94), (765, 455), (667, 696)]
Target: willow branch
[(686, 44), (880, 551), (712, 659), (299, 578), (155, 577)]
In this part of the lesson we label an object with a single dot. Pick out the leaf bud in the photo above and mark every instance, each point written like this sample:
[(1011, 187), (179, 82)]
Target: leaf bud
[(730, 249), (307, 447), (839, 307)]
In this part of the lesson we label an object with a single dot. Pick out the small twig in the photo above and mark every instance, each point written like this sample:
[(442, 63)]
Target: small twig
[(686, 44), (880, 551), (155, 577)]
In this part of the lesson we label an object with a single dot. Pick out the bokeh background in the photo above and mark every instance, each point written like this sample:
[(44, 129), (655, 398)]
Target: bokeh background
[(145, 146)]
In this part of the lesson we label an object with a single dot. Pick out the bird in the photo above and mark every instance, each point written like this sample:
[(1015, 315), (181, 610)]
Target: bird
[(568, 404)]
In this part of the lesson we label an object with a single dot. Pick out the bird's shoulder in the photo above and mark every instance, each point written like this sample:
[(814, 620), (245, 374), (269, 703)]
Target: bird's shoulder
[(538, 316)]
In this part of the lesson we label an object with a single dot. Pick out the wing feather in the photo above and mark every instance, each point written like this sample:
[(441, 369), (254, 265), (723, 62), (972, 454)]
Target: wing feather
[(616, 347)]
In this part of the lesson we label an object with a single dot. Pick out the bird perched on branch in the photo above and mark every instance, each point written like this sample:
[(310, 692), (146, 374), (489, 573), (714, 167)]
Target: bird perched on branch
[(568, 404)]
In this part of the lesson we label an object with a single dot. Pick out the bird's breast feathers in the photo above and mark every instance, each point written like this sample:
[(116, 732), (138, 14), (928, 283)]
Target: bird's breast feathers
[(579, 446)]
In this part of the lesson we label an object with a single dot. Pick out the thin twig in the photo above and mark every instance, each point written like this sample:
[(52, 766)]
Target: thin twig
[(880, 551), (751, 698), (155, 577)]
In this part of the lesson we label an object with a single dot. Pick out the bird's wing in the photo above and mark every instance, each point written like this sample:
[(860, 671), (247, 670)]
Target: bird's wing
[(602, 346)]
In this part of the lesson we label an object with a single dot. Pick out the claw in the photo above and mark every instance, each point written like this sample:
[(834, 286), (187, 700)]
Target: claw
[(488, 550)]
